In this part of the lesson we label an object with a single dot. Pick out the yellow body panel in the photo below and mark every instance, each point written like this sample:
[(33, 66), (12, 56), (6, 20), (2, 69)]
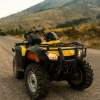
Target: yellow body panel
[(51, 42), (65, 52), (53, 49), (23, 50), (68, 52)]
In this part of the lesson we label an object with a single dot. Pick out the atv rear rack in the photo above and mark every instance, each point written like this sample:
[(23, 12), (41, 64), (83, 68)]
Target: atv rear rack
[(69, 45)]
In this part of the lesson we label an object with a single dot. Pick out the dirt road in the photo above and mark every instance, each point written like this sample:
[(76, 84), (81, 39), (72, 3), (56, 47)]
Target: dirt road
[(12, 89)]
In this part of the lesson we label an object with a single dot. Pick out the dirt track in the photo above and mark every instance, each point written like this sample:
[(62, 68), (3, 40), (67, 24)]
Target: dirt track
[(12, 89)]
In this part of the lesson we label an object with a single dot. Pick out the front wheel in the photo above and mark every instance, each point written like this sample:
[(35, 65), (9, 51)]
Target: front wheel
[(83, 77), (36, 81)]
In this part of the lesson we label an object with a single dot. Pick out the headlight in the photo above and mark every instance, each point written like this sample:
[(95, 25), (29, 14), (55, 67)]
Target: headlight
[(79, 53), (52, 56)]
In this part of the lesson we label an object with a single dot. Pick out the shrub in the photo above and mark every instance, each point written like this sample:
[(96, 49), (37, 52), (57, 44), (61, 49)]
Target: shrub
[(2, 33)]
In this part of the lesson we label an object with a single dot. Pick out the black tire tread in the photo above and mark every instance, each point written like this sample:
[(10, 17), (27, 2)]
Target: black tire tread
[(87, 77), (41, 78), (19, 74)]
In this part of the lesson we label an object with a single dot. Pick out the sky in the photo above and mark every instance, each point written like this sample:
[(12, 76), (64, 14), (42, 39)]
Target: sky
[(8, 7)]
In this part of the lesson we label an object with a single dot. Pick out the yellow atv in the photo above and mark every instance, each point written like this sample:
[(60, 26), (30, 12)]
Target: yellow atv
[(51, 60)]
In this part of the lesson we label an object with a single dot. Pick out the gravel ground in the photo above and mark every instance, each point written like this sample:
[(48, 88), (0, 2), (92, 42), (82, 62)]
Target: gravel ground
[(12, 89)]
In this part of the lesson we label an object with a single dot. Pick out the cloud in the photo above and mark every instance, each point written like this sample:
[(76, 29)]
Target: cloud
[(8, 7)]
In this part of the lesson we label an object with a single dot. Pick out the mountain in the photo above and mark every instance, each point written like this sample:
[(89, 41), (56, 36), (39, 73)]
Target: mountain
[(52, 13)]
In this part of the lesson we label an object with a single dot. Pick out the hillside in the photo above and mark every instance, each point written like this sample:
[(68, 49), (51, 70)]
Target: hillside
[(52, 13)]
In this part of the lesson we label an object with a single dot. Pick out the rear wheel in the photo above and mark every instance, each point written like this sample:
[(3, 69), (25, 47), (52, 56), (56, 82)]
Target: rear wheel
[(17, 74), (83, 77), (36, 81)]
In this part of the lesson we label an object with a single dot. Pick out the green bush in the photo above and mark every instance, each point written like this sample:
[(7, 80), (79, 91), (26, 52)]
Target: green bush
[(2, 33)]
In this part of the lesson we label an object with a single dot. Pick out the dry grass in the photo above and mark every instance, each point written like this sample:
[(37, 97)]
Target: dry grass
[(88, 34)]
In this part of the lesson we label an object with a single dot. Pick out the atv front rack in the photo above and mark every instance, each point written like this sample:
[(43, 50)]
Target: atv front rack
[(70, 46)]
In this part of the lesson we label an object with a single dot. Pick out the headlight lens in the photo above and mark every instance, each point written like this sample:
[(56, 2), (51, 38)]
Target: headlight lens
[(52, 56), (79, 53)]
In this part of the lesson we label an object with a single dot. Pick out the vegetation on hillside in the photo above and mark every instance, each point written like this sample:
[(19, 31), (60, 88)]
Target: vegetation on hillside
[(89, 34)]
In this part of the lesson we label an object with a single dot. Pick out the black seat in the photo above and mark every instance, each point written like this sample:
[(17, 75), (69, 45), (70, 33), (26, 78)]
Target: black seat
[(51, 36)]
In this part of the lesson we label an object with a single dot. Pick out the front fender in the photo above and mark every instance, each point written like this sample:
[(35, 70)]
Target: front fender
[(39, 52)]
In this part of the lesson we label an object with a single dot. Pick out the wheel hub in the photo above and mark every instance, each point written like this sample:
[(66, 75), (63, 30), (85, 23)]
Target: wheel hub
[(77, 77), (32, 81)]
